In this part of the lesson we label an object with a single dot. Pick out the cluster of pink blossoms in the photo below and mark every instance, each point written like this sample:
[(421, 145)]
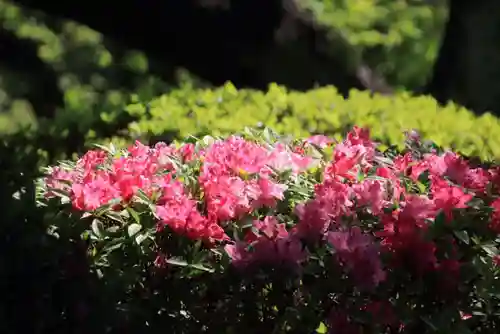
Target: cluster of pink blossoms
[(239, 176), (235, 178)]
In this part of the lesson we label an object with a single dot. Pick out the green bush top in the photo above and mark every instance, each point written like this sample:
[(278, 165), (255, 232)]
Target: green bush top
[(187, 111)]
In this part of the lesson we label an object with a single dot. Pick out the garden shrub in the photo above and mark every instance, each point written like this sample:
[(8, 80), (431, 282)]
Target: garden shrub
[(260, 233), (225, 110)]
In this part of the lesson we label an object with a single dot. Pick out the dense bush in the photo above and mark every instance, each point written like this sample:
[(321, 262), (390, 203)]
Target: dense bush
[(266, 234), (222, 111)]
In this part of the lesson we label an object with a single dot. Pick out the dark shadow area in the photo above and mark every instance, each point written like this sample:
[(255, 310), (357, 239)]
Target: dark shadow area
[(251, 43)]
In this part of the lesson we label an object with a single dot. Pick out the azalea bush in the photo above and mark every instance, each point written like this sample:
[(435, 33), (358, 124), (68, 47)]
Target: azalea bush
[(259, 233)]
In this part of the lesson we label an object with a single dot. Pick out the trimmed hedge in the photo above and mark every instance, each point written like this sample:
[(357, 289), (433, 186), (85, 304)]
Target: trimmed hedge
[(188, 111)]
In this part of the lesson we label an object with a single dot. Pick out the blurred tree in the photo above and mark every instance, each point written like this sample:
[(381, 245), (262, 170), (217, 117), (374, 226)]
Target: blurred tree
[(398, 39), (251, 43), (256, 42)]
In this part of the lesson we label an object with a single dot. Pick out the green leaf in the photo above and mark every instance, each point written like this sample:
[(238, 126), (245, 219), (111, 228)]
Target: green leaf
[(208, 140), (177, 262), (113, 245), (133, 229), (490, 249), (421, 187), (97, 228), (134, 215), (475, 202), (321, 328), (139, 238), (115, 216), (143, 197), (201, 267), (109, 150), (268, 136), (112, 148), (107, 208), (463, 236), (60, 192)]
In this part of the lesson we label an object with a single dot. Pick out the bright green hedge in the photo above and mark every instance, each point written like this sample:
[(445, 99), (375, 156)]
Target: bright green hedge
[(188, 111)]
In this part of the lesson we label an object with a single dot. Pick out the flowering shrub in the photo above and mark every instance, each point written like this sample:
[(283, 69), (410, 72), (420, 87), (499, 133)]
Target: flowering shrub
[(265, 234)]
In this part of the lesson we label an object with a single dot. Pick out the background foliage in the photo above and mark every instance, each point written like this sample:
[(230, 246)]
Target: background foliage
[(397, 38), (95, 74)]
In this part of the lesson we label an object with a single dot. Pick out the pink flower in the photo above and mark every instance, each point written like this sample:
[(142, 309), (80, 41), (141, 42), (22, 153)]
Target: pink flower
[(99, 177), (413, 135), (371, 193), (331, 201), (360, 136), (236, 177), (269, 192), (496, 260), (268, 243), (403, 237), (354, 154), (465, 316), (228, 197), (270, 228), (177, 211), (359, 253), (282, 159), (418, 208), (495, 217), (239, 254), (321, 141), (59, 179), (448, 197), (392, 183), (91, 195), (409, 167), (477, 179), (346, 165), (450, 165)]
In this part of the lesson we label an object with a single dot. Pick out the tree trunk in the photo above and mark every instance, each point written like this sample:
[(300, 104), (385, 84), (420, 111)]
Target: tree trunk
[(467, 70)]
